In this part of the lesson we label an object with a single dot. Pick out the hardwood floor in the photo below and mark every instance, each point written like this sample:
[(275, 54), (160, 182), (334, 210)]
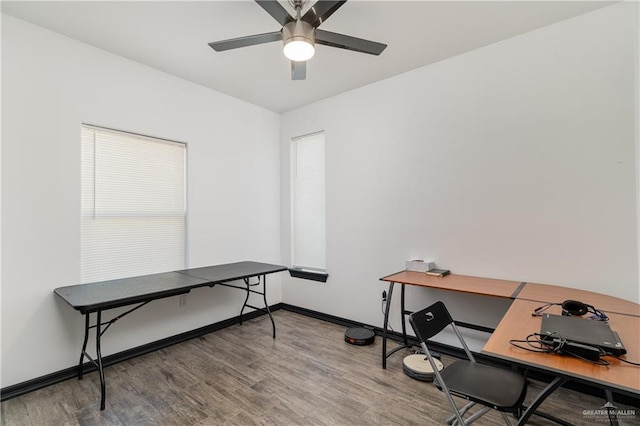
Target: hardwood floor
[(241, 376)]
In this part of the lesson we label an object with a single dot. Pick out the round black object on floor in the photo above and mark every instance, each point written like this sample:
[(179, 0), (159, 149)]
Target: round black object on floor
[(418, 367), (359, 336)]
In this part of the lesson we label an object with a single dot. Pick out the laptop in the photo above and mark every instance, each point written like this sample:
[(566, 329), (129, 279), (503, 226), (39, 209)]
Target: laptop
[(584, 331)]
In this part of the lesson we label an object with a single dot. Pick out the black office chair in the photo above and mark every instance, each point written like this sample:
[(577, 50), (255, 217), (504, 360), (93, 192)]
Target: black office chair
[(497, 388)]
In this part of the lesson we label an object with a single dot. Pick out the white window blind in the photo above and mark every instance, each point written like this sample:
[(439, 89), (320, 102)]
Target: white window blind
[(133, 205), (308, 202)]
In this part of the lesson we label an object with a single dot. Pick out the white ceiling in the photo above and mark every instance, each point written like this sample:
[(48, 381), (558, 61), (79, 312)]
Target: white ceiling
[(173, 37)]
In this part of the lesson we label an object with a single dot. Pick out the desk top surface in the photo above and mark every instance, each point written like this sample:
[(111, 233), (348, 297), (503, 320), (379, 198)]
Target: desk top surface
[(541, 293), (454, 282), (546, 293), (125, 291), (518, 323)]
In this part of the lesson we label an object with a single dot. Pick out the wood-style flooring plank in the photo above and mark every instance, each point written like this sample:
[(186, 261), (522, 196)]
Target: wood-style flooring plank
[(241, 376)]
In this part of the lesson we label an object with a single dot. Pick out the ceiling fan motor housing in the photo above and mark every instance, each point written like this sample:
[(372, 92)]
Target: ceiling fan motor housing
[(298, 31)]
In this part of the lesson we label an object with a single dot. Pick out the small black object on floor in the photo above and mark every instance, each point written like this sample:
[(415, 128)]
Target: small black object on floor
[(359, 336)]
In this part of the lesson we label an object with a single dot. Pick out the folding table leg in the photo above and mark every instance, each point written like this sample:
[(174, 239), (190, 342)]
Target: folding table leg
[(266, 305), (246, 304), (246, 299), (103, 387), (84, 344)]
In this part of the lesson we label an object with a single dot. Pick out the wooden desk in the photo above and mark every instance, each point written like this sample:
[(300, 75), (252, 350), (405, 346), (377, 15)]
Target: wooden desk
[(94, 298), (624, 318), (451, 282), (618, 376)]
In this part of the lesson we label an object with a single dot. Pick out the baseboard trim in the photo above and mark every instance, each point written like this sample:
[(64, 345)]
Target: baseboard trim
[(72, 372)]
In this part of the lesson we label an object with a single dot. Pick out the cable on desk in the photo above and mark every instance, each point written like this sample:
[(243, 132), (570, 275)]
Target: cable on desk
[(573, 308), (536, 343), (531, 339), (623, 360)]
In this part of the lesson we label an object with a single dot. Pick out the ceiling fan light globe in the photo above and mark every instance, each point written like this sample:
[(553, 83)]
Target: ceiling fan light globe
[(299, 50), (299, 38)]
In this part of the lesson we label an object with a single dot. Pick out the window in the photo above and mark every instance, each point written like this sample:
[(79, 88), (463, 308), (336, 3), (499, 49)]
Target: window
[(308, 203), (133, 205)]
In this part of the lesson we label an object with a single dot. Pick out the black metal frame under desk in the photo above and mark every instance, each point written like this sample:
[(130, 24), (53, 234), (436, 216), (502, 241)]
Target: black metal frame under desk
[(94, 298), (453, 282)]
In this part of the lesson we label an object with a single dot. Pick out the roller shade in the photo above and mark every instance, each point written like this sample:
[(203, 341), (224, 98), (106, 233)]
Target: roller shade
[(133, 205), (308, 202)]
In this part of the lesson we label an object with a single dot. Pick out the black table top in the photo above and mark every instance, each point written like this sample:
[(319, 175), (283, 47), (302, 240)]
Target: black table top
[(126, 291)]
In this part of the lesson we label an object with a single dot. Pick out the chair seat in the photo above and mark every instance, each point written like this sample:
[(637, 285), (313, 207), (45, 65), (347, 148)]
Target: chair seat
[(501, 389)]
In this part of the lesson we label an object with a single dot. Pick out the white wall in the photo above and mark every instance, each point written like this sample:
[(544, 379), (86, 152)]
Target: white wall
[(514, 161), (636, 50), (51, 84)]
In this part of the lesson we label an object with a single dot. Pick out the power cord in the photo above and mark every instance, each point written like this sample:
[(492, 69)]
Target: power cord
[(573, 308), (622, 360), (551, 344), (540, 343)]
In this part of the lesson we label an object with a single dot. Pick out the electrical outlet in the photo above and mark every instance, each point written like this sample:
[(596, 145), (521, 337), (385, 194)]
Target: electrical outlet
[(384, 296), (183, 300)]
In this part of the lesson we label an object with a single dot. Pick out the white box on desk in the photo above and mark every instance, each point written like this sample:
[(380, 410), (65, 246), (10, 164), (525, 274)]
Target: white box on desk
[(418, 265)]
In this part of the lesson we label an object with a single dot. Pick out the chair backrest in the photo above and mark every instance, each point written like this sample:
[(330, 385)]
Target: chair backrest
[(430, 321)]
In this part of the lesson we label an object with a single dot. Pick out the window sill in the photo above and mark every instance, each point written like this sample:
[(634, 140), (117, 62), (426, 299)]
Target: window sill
[(307, 274)]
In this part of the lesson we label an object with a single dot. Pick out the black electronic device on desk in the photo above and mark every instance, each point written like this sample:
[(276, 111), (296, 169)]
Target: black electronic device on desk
[(561, 328)]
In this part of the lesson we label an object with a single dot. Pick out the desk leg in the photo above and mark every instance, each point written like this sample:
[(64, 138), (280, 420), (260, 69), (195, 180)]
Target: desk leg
[(613, 419), (98, 361), (385, 326), (551, 387), (84, 345), (266, 305), (266, 309), (403, 312), (103, 388), (246, 299), (99, 332)]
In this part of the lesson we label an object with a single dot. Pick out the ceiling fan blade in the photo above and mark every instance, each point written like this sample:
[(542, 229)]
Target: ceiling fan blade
[(251, 40), (321, 10), (342, 41), (298, 70), (274, 9)]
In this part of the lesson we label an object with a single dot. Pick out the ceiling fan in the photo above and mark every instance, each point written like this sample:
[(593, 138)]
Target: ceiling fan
[(300, 33)]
